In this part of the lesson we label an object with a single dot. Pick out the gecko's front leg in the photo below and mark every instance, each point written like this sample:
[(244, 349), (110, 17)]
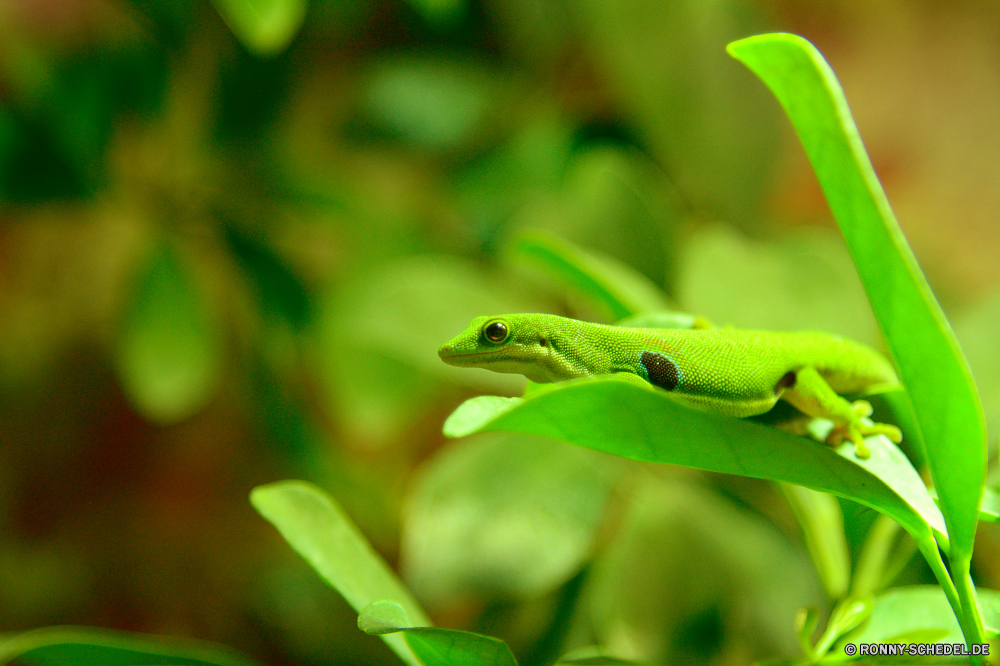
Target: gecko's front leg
[(811, 395)]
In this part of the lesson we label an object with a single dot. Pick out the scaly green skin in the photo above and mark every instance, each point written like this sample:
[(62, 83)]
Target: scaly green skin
[(737, 373)]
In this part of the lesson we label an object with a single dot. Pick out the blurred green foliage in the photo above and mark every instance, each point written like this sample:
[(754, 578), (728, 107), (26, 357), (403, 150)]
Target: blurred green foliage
[(234, 232)]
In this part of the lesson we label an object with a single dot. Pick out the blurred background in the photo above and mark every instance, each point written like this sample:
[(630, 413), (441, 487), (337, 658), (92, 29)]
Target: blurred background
[(234, 233)]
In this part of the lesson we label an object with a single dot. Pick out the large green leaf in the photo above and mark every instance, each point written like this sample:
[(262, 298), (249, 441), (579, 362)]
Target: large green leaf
[(922, 343), (472, 526), (317, 528), (92, 646), (625, 419), (976, 329), (169, 353)]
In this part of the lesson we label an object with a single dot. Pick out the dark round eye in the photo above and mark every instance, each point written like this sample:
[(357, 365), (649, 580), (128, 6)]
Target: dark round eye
[(496, 332)]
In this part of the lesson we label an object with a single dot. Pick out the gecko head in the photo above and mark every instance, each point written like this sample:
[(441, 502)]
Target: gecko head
[(506, 343)]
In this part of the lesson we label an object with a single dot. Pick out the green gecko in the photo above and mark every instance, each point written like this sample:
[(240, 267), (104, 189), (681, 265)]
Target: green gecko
[(732, 372)]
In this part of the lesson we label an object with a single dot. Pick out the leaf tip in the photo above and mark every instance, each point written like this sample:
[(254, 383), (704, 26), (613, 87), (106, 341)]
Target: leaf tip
[(475, 413), (382, 617), (739, 48)]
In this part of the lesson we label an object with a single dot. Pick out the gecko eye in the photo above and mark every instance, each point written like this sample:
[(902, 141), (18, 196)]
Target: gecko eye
[(496, 332)]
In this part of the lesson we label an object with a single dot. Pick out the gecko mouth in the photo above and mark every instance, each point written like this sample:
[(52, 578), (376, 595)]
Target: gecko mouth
[(452, 357)]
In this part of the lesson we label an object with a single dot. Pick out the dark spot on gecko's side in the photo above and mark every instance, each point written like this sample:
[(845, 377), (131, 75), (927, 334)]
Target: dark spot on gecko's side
[(661, 370), (787, 381), (543, 342)]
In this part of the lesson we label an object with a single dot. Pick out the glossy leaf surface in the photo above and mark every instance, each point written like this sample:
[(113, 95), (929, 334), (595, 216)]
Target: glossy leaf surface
[(626, 419), (434, 646), (317, 528), (921, 341)]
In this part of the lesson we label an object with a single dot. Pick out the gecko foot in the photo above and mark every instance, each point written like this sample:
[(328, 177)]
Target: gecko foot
[(863, 408), (857, 430), (851, 432)]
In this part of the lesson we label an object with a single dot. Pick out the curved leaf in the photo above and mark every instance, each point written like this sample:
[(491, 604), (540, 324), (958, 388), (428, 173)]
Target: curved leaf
[(317, 528), (610, 285), (472, 526), (451, 647), (923, 345), (625, 419), (989, 510), (264, 27), (92, 646), (382, 617), (434, 646), (169, 354), (822, 522)]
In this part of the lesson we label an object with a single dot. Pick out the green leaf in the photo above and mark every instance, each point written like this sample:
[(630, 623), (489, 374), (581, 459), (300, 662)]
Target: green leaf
[(922, 343), (802, 279), (169, 356), (436, 647), (280, 292), (918, 614), (806, 621), (472, 414), (689, 563), (264, 27), (382, 617), (451, 647), (822, 523), (317, 528), (380, 381), (609, 284), (989, 510), (473, 527), (902, 612), (976, 329), (715, 134), (431, 102), (598, 661), (624, 419), (91, 646), (872, 567), (846, 615)]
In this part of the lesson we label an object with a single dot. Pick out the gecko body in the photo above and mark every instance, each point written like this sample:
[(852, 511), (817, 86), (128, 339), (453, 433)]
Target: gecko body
[(733, 372)]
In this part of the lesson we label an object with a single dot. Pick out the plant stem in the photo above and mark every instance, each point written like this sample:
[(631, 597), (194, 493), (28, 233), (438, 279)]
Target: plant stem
[(972, 629), (970, 600)]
